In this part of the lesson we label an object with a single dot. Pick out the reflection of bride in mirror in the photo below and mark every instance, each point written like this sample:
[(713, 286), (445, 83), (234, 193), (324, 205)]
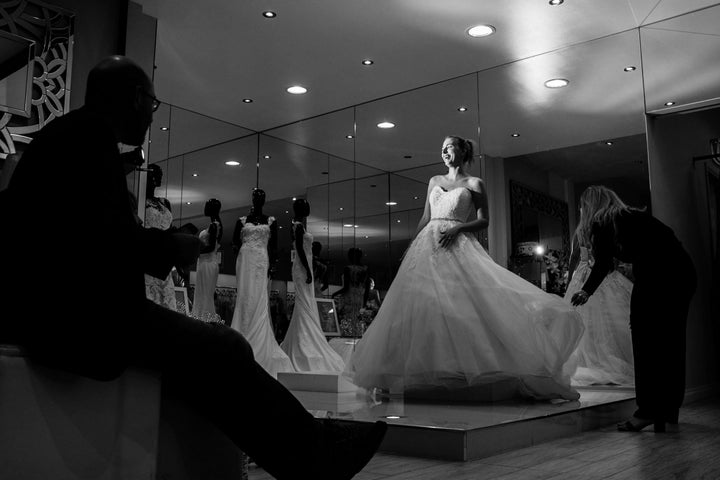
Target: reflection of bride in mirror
[(456, 325), (604, 355)]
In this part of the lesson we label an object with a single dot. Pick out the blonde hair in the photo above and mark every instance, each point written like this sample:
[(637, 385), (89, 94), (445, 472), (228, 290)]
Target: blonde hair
[(599, 205)]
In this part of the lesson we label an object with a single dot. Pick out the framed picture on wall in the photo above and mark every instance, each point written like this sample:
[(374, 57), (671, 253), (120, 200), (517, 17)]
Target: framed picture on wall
[(329, 322), (181, 300)]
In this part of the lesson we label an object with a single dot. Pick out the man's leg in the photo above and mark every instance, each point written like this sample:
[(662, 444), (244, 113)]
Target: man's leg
[(212, 369)]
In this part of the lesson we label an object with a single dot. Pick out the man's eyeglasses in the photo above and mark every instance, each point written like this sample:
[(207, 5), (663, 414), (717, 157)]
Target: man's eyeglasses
[(155, 102)]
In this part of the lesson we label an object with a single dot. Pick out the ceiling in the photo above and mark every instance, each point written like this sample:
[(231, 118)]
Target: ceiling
[(212, 54)]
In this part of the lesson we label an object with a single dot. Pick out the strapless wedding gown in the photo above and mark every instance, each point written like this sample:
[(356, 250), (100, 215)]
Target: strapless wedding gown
[(305, 342), (252, 312), (206, 278), (456, 325), (604, 355)]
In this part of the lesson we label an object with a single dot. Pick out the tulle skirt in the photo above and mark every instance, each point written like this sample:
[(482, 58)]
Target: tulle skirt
[(456, 325), (604, 355)]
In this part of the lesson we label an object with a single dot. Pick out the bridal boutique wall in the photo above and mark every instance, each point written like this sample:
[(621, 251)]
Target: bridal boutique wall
[(680, 198)]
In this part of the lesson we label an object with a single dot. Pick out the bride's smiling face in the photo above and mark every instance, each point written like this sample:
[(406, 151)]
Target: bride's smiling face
[(451, 153)]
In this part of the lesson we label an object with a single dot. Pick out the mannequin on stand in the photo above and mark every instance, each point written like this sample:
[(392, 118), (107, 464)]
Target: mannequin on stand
[(158, 215), (255, 241), (207, 265), (305, 342)]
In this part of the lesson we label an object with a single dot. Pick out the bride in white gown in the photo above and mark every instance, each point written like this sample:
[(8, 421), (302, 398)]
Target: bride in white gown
[(455, 324), (252, 315), (305, 342)]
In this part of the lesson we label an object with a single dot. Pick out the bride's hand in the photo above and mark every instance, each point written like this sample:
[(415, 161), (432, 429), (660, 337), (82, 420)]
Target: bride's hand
[(449, 236)]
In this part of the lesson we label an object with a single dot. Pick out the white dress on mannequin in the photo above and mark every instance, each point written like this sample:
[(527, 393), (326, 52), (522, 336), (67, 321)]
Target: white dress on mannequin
[(604, 355), (456, 325), (252, 311), (305, 342), (206, 279), (160, 291)]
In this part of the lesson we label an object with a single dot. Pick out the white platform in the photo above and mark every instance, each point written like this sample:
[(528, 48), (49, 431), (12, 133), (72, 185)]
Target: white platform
[(316, 382)]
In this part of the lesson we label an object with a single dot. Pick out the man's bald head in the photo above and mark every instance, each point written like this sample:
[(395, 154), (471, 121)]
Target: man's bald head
[(119, 90)]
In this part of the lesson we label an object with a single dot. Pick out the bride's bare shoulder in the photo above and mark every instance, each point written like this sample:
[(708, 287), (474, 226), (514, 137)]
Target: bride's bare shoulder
[(475, 184)]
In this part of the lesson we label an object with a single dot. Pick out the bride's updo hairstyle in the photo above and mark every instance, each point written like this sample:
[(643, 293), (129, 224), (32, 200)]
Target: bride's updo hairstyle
[(466, 148)]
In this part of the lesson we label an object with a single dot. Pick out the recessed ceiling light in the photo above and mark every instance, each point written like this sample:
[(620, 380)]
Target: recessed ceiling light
[(385, 125), (367, 236), (555, 2), (247, 100), (232, 163), (287, 211), (608, 142), (367, 62), (297, 90), (557, 83), (349, 136), (629, 68), (266, 157), (398, 221), (340, 208), (194, 174), (294, 198), (514, 134), (390, 204), (188, 203), (415, 198), (280, 226), (164, 129), (668, 104), (462, 109), (481, 30), (348, 225), (355, 226), (269, 14), (393, 417)]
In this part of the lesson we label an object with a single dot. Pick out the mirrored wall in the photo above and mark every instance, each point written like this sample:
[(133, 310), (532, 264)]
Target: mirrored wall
[(538, 149)]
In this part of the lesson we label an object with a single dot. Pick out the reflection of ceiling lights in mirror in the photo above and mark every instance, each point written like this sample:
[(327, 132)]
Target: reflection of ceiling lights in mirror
[(557, 83), (232, 163), (294, 198), (608, 143), (481, 30), (398, 221), (348, 225), (349, 137), (390, 204), (269, 14), (247, 100), (164, 129), (669, 104), (188, 203), (629, 68), (415, 198), (462, 109), (266, 157), (367, 62), (514, 134), (297, 90), (556, 2), (194, 174), (340, 208), (385, 125)]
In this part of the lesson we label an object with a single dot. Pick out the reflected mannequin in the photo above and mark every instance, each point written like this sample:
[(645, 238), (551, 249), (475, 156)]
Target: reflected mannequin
[(305, 342), (158, 215), (454, 324), (320, 270), (353, 294), (255, 240), (604, 355), (208, 267)]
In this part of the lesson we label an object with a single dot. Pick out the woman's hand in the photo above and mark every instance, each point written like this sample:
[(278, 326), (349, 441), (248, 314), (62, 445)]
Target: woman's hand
[(580, 298), (448, 237)]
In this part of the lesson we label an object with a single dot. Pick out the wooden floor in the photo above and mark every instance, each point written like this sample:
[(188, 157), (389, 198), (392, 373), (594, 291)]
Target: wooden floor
[(692, 453)]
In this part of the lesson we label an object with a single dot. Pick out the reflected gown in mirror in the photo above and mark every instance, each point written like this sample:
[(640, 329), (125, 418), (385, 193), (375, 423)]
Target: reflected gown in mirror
[(160, 291), (604, 355), (252, 309), (305, 342), (456, 325), (206, 279)]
